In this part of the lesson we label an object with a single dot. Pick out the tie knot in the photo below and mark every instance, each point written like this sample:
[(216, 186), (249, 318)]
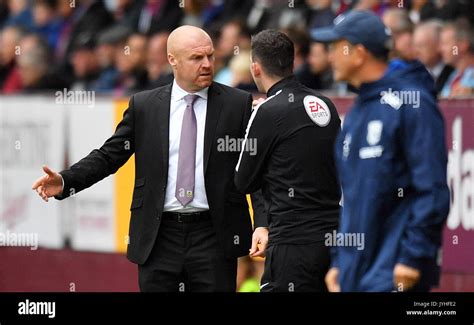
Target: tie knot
[(190, 99)]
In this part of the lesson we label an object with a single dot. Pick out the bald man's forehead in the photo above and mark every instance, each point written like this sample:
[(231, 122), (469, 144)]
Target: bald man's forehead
[(191, 45)]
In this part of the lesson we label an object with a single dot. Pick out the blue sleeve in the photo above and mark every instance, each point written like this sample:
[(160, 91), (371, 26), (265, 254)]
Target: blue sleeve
[(424, 149)]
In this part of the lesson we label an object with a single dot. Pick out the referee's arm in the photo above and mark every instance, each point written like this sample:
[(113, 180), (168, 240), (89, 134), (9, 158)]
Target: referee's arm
[(261, 133)]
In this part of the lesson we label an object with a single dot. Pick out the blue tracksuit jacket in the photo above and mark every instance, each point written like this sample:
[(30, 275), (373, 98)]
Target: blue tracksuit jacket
[(391, 159)]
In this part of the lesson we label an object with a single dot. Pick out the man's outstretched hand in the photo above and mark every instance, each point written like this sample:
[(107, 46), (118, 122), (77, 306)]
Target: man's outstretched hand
[(48, 185)]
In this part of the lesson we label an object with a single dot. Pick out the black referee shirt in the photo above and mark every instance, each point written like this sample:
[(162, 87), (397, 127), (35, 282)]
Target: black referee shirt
[(292, 135)]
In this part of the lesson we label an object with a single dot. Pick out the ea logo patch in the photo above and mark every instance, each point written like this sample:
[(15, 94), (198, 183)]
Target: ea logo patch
[(317, 110)]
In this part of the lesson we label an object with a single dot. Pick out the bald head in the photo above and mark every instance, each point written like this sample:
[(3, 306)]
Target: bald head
[(186, 37), (191, 55)]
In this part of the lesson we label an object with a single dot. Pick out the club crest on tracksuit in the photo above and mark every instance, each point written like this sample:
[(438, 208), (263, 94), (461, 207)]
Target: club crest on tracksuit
[(374, 132)]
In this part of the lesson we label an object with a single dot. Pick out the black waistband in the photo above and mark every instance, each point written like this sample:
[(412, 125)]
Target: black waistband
[(186, 217)]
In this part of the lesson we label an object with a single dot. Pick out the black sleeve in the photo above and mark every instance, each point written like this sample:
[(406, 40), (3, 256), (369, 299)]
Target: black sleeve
[(260, 211), (102, 162), (262, 130), (260, 215)]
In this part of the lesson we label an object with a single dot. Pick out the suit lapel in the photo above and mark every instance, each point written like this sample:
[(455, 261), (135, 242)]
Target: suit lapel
[(163, 124), (214, 104)]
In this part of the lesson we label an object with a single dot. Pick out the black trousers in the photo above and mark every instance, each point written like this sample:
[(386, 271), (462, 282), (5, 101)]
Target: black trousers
[(186, 258), (298, 268)]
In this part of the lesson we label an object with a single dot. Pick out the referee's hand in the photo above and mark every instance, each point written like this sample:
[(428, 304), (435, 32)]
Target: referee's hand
[(259, 242), (332, 281)]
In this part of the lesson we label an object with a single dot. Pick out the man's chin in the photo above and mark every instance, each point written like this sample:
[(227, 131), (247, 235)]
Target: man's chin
[(205, 83)]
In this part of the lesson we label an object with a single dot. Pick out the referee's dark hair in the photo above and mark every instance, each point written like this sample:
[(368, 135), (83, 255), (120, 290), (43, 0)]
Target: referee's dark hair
[(274, 51)]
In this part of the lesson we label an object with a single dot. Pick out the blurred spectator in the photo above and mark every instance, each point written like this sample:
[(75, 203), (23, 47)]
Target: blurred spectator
[(421, 10), (9, 76), (107, 43), (318, 60), (19, 14), (266, 14), (320, 13), (90, 17), (453, 9), (65, 12), (131, 65), (3, 12), (231, 10), (234, 38), (240, 69), (85, 64), (401, 27), (159, 15), (46, 21), (194, 12), (158, 69), (125, 12), (301, 68), (108, 23), (426, 46), (379, 7), (457, 49), (33, 63)]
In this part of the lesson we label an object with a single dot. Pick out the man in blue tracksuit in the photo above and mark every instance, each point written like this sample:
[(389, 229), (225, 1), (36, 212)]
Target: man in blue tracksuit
[(391, 160)]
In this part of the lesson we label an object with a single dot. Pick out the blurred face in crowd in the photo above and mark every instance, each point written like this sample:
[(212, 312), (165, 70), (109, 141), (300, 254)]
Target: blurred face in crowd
[(31, 70), (84, 62), (401, 34), (65, 8), (132, 56), (425, 44), (157, 59), (191, 54), (105, 53), (318, 58), (404, 45), (16, 6), (449, 46), (318, 4), (345, 59), (42, 14), (8, 40), (228, 39)]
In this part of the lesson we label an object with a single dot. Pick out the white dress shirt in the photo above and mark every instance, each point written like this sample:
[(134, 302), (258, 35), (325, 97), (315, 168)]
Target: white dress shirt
[(177, 108)]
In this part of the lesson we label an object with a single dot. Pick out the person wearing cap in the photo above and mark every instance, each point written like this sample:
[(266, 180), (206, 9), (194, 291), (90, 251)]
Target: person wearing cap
[(293, 132), (391, 159)]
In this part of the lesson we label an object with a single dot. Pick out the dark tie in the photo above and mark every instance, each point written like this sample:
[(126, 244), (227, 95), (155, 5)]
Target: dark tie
[(187, 154)]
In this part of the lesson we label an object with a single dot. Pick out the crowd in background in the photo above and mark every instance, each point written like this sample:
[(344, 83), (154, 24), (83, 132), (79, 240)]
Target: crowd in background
[(119, 46)]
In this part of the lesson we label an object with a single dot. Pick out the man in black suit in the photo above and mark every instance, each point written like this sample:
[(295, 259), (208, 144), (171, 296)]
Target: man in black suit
[(188, 223)]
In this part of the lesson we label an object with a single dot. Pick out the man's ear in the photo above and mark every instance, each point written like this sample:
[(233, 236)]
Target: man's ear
[(257, 69), (361, 54), (171, 60)]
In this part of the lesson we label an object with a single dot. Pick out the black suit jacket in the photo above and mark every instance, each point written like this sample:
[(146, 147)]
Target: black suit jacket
[(144, 130)]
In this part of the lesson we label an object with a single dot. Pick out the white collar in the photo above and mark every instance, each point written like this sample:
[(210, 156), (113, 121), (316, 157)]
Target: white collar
[(178, 93)]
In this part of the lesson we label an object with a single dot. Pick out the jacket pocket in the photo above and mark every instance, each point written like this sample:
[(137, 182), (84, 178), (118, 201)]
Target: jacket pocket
[(139, 182), (136, 203), (236, 199)]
